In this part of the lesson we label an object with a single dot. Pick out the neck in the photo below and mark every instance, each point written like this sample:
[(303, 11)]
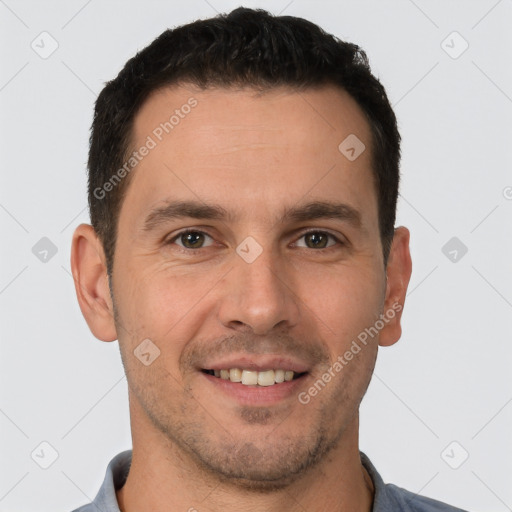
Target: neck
[(162, 475)]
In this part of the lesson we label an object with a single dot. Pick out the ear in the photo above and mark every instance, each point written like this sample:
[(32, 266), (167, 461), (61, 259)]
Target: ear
[(398, 274), (88, 266)]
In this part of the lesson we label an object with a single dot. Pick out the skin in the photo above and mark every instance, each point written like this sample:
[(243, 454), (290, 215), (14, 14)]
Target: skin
[(254, 154)]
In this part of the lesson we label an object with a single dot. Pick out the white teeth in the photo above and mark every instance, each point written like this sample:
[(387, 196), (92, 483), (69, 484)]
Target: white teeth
[(266, 378), (253, 378), (235, 375), (249, 378)]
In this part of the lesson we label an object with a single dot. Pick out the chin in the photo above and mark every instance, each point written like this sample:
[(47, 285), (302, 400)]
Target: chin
[(269, 465)]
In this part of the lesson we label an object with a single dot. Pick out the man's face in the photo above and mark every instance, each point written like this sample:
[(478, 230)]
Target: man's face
[(251, 291)]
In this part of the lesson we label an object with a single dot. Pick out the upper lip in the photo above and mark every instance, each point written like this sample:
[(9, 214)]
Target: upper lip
[(257, 363)]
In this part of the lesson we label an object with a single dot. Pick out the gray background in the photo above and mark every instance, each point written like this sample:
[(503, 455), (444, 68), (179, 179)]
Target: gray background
[(447, 380)]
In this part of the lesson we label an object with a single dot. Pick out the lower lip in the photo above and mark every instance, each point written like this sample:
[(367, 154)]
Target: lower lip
[(257, 395)]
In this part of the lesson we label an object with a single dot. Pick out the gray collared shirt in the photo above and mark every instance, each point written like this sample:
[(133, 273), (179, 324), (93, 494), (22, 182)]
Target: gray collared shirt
[(388, 497)]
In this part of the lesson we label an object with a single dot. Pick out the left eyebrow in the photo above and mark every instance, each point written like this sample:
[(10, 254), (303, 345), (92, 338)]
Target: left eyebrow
[(309, 211), (322, 210)]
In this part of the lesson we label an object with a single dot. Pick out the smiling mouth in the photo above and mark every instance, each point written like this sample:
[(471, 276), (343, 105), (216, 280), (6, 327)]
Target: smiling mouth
[(256, 378)]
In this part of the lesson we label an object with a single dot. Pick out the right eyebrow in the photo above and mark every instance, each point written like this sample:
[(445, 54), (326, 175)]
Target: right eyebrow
[(180, 209)]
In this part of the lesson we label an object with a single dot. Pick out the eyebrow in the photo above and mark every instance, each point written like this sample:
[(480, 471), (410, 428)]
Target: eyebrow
[(193, 209)]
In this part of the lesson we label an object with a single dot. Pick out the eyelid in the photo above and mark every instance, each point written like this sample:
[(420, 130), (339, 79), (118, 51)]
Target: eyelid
[(336, 237), (184, 232), (299, 234)]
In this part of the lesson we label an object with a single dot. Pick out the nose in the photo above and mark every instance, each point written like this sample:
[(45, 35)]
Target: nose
[(259, 296)]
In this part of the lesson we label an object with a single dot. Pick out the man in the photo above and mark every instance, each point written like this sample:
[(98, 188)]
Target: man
[(243, 178)]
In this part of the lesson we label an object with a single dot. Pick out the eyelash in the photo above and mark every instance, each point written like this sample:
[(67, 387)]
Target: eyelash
[(187, 231)]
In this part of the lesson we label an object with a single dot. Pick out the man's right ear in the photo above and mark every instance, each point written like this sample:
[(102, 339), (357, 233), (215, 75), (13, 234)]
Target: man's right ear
[(88, 266)]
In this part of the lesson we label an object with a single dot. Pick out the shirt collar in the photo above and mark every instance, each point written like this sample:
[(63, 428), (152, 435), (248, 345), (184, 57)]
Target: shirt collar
[(119, 466)]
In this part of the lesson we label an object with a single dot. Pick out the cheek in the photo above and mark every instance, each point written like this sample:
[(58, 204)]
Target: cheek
[(343, 303), (162, 305)]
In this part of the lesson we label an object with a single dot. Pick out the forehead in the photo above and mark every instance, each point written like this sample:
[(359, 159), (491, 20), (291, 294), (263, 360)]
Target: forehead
[(308, 117), (244, 150)]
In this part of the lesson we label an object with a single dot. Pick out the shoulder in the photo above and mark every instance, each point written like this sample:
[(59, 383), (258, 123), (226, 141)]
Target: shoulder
[(90, 507), (115, 477), (391, 498), (410, 502)]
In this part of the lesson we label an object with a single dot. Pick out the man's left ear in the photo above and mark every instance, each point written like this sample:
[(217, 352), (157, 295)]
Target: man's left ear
[(398, 273)]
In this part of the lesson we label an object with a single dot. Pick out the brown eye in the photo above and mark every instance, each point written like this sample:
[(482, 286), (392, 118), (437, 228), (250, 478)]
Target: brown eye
[(190, 239), (318, 239)]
